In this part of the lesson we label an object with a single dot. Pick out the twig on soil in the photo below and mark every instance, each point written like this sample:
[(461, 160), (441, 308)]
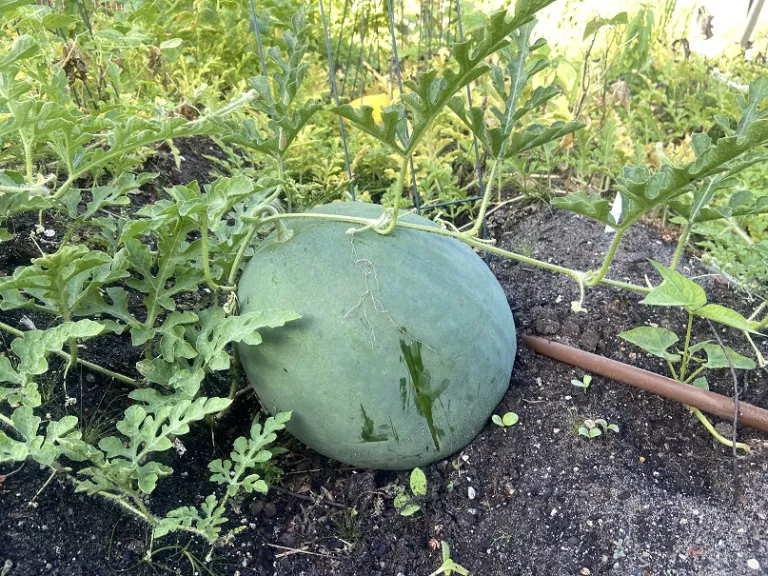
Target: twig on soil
[(290, 551), (322, 501), (243, 392), (43, 487), (735, 413)]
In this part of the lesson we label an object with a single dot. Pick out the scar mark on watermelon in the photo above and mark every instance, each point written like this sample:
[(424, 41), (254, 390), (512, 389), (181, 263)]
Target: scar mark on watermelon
[(367, 432), (372, 286), (418, 387)]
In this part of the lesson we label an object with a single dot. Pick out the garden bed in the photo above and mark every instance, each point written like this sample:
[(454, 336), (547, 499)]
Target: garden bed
[(659, 497)]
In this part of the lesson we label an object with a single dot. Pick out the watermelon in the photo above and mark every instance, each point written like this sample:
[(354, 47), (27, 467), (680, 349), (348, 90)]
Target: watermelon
[(405, 345)]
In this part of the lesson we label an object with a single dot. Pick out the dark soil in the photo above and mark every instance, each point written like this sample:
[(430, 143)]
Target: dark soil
[(660, 497)]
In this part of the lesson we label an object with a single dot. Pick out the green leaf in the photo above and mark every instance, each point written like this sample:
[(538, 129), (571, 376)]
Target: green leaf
[(23, 47), (418, 482), (220, 197), (286, 117), (653, 340), (496, 419), (430, 92), (700, 142), (519, 74), (510, 419), (54, 21), (596, 24), (751, 107), (716, 358), (6, 6), (701, 382), (590, 205), (12, 450), (25, 200), (171, 271), (409, 509), (401, 500), (173, 343), (62, 282), (725, 316), (26, 422), (171, 44), (218, 330), (740, 204), (501, 141), (643, 191), (391, 131), (675, 290), (537, 135), (33, 347), (114, 447), (8, 373), (702, 197)]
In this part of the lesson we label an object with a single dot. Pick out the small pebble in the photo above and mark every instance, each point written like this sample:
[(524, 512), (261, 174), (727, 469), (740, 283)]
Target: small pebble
[(753, 564), (471, 493), (49, 233)]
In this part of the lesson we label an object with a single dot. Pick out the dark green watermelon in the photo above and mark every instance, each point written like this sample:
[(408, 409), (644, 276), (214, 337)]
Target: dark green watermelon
[(405, 345)]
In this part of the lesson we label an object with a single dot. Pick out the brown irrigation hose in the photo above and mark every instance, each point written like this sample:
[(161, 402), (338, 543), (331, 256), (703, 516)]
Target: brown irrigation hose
[(704, 400)]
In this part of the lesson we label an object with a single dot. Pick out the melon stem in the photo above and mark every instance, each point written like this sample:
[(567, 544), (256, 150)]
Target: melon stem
[(576, 275), (398, 194), (486, 199)]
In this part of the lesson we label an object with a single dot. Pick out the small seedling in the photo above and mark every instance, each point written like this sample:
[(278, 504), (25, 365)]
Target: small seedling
[(448, 566), (584, 383), (618, 549), (509, 419), (594, 428), (407, 505)]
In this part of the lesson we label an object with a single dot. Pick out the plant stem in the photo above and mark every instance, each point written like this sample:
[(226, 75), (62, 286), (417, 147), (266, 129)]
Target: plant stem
[(32, 190), (739, 231), (625, 286), (597, 277), (135, 511), (281, 175), (681, 245), (694, 374), (206, 264), (575, 274), (712, 430), (398, 193), (84, 363), (757, 311), (27, 158), (686, 356), (672, 370), (486, 199), (760, 360), (245, 242)]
